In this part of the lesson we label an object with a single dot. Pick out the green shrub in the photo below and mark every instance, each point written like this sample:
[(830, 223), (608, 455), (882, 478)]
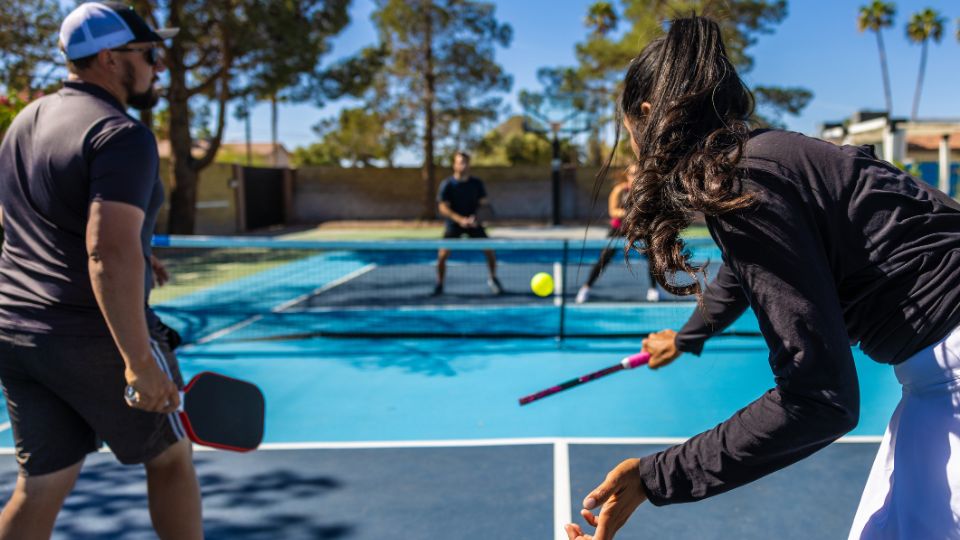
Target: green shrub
[(12, 104)]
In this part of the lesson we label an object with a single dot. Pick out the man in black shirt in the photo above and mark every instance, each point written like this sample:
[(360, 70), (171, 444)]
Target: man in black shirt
[(80, 192), (459, 199)]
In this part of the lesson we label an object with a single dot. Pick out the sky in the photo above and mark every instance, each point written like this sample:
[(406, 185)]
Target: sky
[(817, 47)]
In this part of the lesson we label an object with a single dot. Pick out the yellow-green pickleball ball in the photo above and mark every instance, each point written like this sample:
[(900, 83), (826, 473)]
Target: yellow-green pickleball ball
[(542, 284)]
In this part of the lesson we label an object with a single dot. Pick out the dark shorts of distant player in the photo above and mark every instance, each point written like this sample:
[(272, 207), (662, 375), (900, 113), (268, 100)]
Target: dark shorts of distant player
[(456, 231), (65, 399)]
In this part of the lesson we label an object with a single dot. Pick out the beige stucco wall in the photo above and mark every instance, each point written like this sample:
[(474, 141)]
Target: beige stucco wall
[(216, 201), (323, 194), (516, 193)]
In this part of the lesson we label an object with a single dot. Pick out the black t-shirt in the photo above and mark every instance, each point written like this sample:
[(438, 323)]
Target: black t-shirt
[(463, 196), (62, 152), (840, 249)]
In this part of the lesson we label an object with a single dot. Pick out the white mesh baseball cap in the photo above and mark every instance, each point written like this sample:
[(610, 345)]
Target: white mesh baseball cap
[(95, 26)]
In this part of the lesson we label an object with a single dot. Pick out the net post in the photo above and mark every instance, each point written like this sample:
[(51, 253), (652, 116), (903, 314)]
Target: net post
[(558, 280), (563, 289)]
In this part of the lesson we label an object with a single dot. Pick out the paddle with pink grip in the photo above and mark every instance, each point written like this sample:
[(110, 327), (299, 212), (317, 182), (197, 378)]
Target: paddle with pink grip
[(629, 362)]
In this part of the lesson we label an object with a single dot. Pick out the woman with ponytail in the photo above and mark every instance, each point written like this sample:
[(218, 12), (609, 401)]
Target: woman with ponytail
[(829, 246)]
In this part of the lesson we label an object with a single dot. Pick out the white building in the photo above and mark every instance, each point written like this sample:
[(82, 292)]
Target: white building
[(930, 146)]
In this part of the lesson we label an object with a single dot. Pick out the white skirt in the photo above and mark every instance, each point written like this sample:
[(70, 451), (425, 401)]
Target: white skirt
[(913, 492)]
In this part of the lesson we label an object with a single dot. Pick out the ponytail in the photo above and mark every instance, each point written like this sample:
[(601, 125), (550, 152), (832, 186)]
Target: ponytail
[(689, 143)]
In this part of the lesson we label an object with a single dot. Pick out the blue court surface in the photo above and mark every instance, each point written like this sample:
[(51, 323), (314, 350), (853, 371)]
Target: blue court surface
[(373, 437)]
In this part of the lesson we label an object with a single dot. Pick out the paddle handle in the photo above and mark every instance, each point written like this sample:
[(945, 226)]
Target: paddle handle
[(629, 362), (131, 397)]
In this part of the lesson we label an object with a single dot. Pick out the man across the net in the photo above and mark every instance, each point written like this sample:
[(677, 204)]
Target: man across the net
[(458, 200)]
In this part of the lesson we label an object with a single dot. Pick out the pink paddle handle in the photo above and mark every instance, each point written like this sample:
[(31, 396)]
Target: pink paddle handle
[(635, 360)]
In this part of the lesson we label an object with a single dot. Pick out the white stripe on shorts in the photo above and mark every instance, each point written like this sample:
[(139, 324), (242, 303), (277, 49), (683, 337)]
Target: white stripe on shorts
[(173, 417)]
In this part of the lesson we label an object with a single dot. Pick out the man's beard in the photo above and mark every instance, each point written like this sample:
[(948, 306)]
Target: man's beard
[(142, 101)]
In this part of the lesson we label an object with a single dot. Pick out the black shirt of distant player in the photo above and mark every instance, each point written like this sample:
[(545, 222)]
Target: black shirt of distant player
[(462, 196)]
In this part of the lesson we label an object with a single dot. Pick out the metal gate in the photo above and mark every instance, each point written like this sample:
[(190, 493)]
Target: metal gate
[(264, 197)]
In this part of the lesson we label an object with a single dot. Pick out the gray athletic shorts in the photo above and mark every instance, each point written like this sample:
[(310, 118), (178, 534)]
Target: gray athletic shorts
[(65, 399)]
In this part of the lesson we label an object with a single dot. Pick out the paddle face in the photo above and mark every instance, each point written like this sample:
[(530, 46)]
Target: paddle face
[(223, 412), (484, 214)]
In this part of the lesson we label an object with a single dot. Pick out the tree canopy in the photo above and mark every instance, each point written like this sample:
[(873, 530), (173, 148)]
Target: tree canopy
[(440, 81), (429, 85), (228, 51), (356, 138), (617, 33), (28, 44)]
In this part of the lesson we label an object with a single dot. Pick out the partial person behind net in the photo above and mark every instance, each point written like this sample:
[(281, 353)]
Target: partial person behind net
[(617, 202)]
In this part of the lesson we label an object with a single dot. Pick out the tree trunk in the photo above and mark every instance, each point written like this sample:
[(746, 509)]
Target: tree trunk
[(595, 155), (916, 94), (183, 192), (183, 199), (428, 173), (886, 74), (184, 166), (273, 131), (247, 132), (184, 177)]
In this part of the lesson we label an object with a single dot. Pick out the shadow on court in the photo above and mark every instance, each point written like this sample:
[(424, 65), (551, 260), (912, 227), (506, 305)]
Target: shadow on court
[(461, 493), (243, 498)]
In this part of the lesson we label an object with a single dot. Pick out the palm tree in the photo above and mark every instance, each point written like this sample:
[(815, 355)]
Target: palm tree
[(875, 17), (923, 26)]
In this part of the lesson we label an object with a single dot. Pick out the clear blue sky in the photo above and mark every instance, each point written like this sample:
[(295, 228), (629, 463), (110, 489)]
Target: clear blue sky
[(817, 46)]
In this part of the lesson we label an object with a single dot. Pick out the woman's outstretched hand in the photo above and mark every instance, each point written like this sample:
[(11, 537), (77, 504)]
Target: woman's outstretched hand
[(619, 495)]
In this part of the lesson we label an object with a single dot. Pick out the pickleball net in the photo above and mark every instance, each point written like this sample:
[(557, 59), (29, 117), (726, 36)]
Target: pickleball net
[(243, 288)]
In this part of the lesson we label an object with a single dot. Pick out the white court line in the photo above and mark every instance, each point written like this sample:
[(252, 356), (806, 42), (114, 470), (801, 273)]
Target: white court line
[(285, 305), (471, 443), (452, 307), (335, 283), (426, 307), (528, 441), (562, 509), (4, 426), (232, 328), (663, 304)]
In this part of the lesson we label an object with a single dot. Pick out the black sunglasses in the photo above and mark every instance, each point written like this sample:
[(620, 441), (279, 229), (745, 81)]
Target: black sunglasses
[(151, 55)]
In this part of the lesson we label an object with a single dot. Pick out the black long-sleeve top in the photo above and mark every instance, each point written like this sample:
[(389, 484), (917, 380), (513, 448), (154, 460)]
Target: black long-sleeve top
[(840, 248)]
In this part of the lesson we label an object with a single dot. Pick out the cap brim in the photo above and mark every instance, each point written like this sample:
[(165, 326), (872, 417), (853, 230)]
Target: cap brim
[(167, 33), (154, 36)]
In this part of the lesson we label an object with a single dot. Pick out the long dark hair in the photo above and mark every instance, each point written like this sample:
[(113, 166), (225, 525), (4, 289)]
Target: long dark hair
[(688, 144)]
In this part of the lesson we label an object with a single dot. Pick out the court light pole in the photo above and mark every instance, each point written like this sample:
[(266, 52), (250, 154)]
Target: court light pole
[(548, 115), (556, 163)]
